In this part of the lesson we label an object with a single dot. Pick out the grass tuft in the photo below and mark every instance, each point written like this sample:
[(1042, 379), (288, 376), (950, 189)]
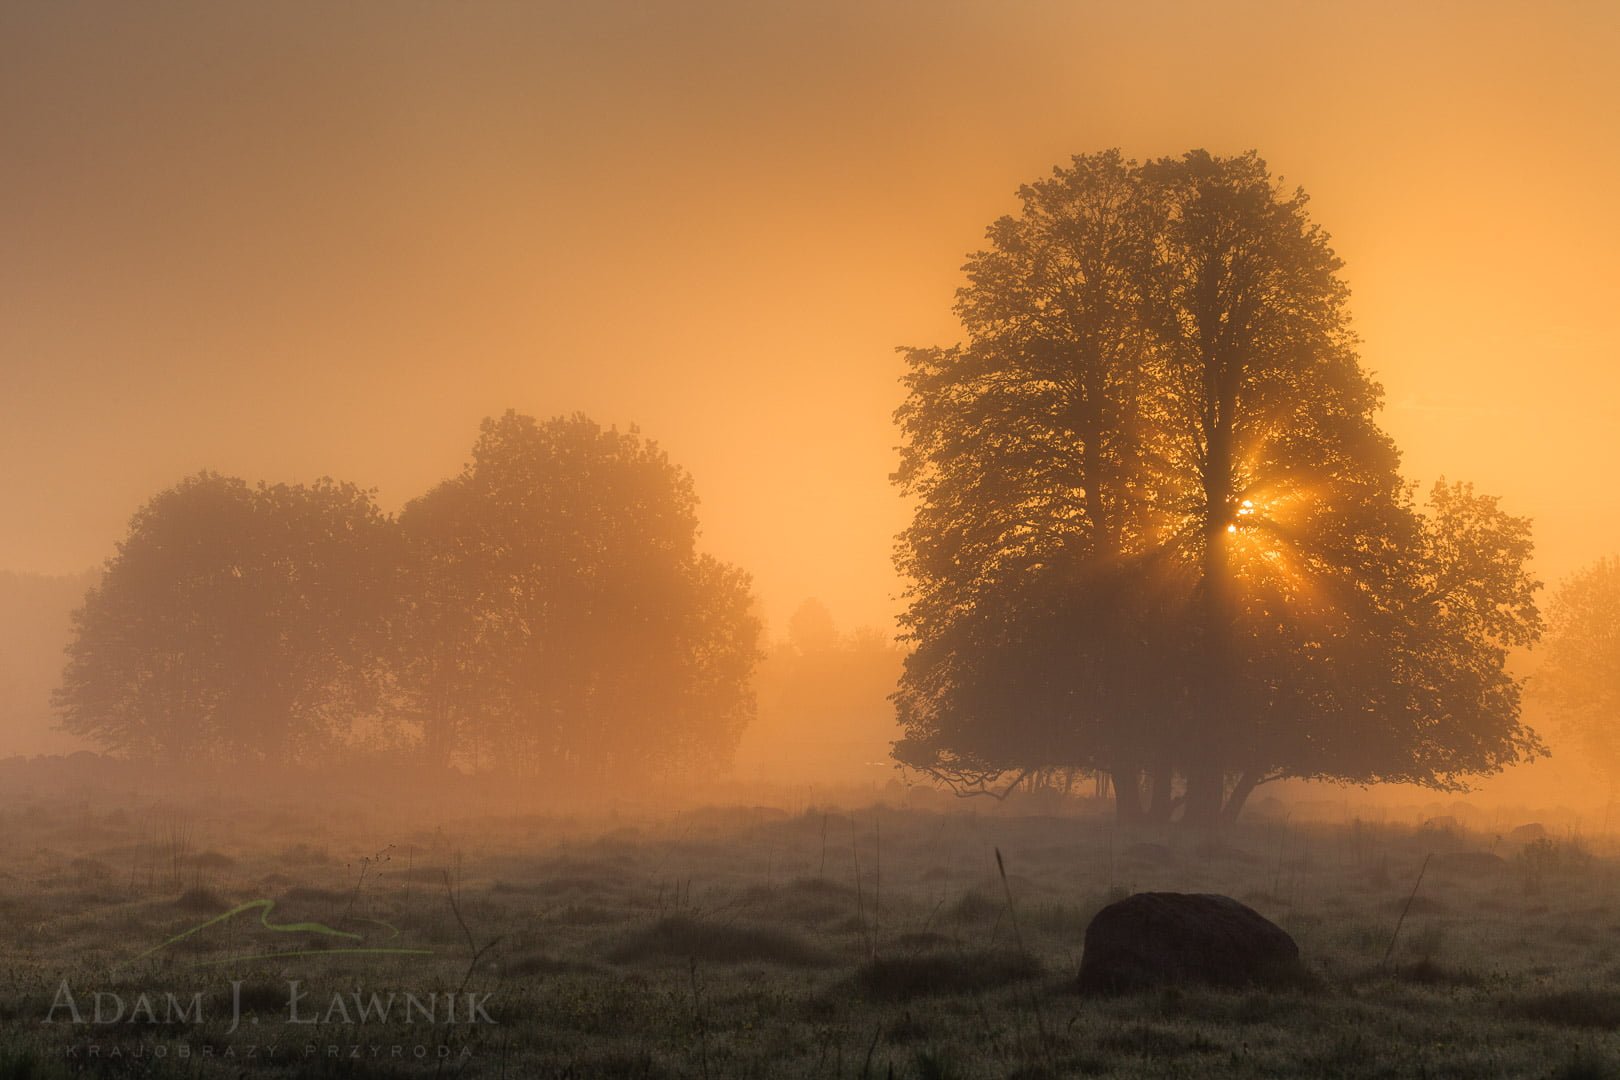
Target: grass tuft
[(687, 938), (904, 977), (1586, 1008), (525, 965), (201, 901), (1587, 1064), (975, 907)]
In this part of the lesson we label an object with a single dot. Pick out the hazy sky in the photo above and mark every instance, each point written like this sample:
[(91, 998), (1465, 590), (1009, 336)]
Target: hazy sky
[(284, 240)]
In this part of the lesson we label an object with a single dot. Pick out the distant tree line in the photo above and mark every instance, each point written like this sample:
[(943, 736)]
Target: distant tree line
[(1159, 534), (1579, 679), (34, 628), (824, 712), (545, 610)]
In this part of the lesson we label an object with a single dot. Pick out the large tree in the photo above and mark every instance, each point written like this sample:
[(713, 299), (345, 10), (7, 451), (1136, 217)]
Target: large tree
[(560, 619), (1275, 466), (1026, 450), (234, 623), (1159, 532)]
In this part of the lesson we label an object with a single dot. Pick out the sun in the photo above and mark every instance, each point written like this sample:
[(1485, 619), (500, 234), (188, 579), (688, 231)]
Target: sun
[(1245, 509)]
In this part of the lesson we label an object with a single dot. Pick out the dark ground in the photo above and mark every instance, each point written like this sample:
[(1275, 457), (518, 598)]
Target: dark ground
[(757, 943)]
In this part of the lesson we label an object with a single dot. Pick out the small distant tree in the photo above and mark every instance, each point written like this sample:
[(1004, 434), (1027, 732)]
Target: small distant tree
[(35, 611), (824, 711), (559, 619), (233, 624), (1579, 680)]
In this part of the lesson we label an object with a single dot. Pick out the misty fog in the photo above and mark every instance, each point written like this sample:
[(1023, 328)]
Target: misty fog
[(809, 539)]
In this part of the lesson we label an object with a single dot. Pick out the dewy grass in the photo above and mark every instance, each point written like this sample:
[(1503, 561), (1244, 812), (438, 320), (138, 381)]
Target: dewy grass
[(903, 977), (1578, 1008), (686, 937), (606, 966)]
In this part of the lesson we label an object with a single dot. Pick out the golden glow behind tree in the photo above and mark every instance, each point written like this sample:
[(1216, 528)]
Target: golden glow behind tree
[(1264, 424), (1159, 531)]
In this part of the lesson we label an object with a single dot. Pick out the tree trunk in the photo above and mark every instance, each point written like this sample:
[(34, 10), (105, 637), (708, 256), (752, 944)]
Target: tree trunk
[(1240, 795), (1128, 797), (1160, 804), (1212, 716), (1206, 790)]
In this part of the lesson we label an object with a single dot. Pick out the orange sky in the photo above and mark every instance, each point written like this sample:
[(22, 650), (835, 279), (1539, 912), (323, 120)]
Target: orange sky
[(286, 240)]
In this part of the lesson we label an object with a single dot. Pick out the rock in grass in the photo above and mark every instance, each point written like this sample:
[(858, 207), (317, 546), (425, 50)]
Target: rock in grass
[(1160, 939)]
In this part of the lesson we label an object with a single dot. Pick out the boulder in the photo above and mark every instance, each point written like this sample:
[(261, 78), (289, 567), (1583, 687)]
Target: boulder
[(1158, 939)]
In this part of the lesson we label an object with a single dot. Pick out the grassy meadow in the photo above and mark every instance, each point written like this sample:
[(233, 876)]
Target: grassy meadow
[(755, 942)]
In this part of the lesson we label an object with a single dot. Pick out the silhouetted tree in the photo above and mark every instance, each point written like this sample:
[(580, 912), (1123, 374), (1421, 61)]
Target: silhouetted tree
[(1580, 677), (559, 617), (234, 623), (1393, 671), (1026, 450), (1159, 532), (811, 630), (1275, 466)]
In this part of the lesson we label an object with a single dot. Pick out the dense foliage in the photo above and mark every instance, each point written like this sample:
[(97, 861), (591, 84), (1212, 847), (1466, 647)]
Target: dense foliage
[(1159, 532), (546, 610), (234, 624), (559, 615)]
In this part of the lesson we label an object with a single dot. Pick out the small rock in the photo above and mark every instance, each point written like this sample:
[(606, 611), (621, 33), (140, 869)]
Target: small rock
[(1157, 939)]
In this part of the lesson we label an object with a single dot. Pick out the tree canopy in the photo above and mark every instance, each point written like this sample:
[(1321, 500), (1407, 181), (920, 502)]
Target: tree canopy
[(545, 612), (560, 616), (1159, 532), (235, 623)]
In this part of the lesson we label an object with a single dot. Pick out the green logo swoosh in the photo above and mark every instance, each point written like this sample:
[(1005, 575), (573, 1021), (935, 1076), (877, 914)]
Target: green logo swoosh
[(264, 908)]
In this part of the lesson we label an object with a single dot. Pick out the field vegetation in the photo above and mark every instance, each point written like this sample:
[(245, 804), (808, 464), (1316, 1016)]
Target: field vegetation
[(760, 942)]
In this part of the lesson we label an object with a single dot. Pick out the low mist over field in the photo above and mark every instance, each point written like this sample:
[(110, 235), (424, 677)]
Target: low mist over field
[(838, 540)]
